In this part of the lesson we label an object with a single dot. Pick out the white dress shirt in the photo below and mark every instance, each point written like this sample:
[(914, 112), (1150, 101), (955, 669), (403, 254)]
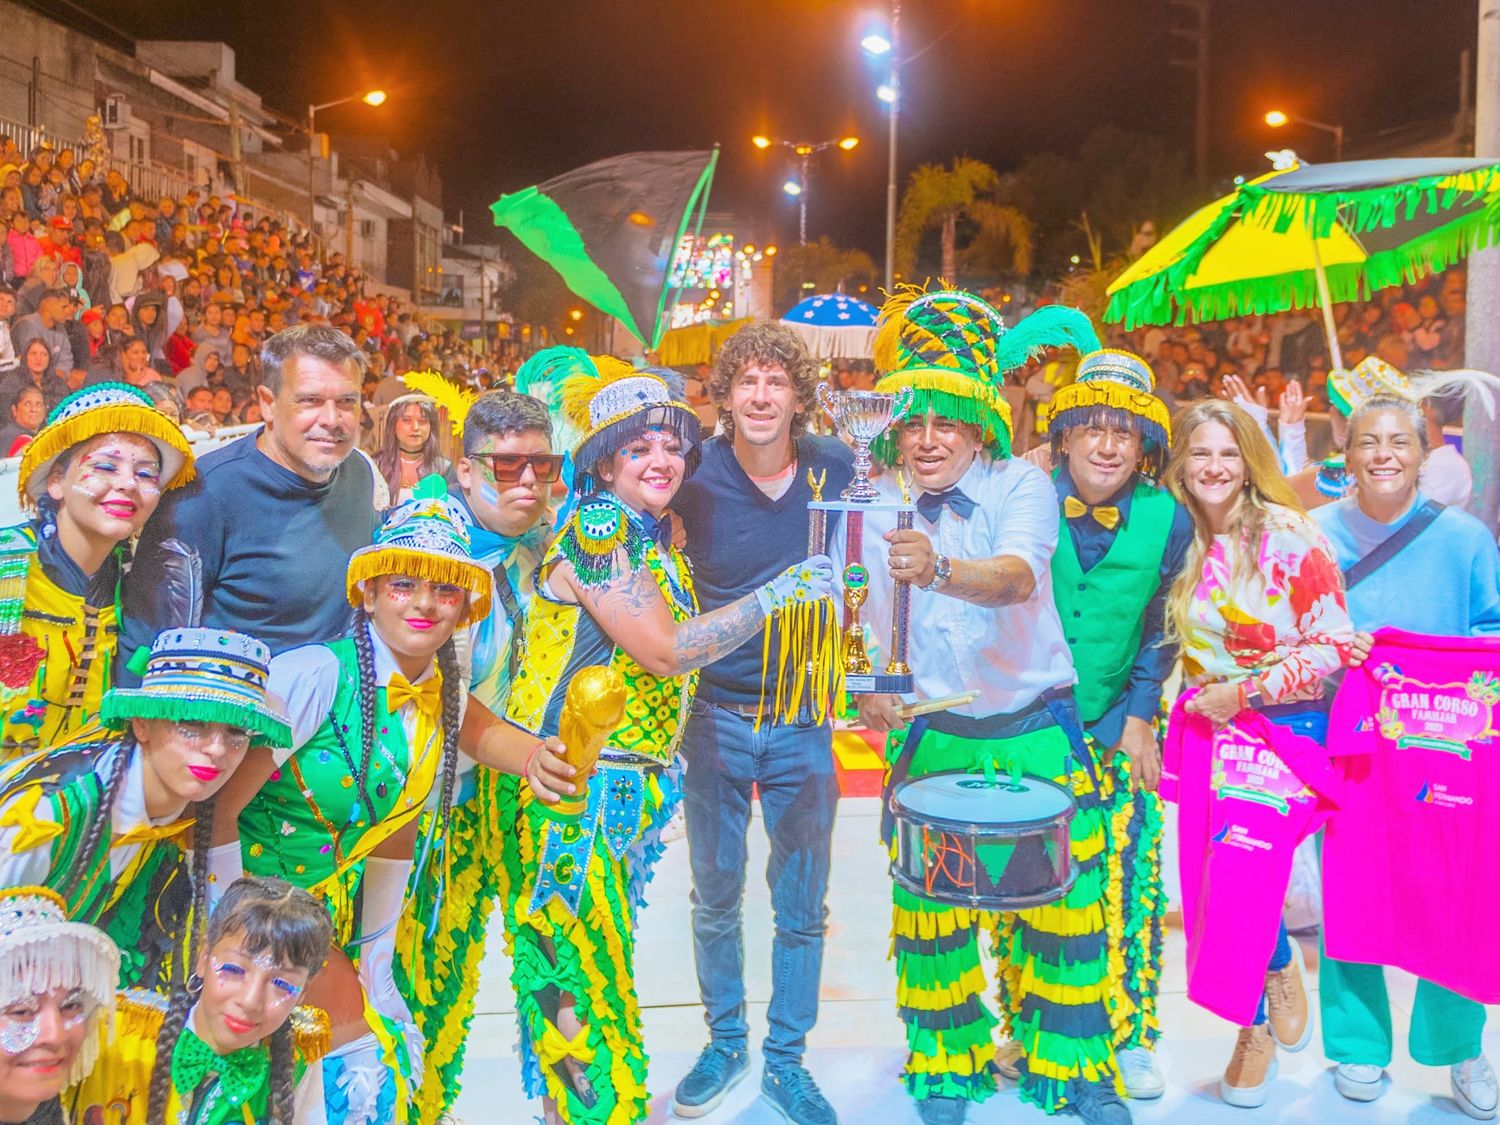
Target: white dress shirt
[(1010, 655)]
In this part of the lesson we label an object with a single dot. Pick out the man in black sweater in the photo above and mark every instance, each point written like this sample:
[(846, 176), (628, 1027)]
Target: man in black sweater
[(745, 514), (273, 516)]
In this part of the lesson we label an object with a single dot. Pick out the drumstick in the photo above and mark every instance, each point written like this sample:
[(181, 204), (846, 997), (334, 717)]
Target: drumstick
[(927, 706)]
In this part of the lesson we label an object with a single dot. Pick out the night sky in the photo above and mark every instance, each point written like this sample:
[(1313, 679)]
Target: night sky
[(505, 93)]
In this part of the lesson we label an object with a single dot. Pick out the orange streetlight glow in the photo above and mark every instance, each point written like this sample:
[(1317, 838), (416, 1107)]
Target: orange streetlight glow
[(1276, 119), (760, 141), (374, 97), (849, 143)]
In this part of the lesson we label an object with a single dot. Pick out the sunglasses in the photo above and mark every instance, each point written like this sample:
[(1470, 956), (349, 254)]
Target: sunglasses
[(508, 467)]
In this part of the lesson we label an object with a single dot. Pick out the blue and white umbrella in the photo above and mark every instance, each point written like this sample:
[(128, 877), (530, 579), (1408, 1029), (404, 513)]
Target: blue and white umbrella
[(835, 325)]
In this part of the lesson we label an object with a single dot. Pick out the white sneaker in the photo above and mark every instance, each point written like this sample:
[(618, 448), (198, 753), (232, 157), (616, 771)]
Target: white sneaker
[(1139, 1073), (1474, 1088), (1359, 1082)]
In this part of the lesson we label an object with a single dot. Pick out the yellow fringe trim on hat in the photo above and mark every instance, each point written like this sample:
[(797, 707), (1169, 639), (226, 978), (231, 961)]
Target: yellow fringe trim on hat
[(64, 434), (408, 563), (810, 661), (312, 1032), (1104, 392), (944, 381)]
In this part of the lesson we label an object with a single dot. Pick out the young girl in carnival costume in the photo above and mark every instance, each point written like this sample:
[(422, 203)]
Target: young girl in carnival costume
[(94, 474), (57, 985), (375, 728), (231, 1047), (612, 590), (100, 819)]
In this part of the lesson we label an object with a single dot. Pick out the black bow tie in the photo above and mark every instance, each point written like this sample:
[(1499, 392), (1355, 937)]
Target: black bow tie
[(930, 504)]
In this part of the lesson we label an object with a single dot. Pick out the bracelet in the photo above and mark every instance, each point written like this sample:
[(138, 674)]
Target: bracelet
[(1244, 696)]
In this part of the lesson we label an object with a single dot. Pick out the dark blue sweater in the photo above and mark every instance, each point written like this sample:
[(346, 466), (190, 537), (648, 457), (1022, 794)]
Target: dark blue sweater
[(738, 538), (275, 549)]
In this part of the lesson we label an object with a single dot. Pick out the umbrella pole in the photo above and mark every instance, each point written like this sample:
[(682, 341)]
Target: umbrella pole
[(1335, 357)]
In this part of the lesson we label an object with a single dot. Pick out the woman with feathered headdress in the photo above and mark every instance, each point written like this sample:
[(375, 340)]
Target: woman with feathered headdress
[(612, 590)]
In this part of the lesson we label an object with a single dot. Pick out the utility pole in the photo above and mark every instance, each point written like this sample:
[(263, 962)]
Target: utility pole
[(237, 152), (890, 177), (1482, 322), (1197, 38)]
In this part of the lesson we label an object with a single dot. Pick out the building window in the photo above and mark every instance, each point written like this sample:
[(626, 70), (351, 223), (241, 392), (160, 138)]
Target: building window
[(367, 228)]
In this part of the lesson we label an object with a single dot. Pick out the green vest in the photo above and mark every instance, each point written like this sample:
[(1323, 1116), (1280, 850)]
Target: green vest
[(1103, 610), (303, 825)]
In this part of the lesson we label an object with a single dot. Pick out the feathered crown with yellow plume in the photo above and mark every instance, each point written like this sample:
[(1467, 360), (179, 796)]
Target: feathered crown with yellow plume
[(611, 404), (443, 392), (953, 350)]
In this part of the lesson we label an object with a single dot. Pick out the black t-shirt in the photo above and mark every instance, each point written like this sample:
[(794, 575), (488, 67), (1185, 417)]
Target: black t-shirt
[(738, 539)]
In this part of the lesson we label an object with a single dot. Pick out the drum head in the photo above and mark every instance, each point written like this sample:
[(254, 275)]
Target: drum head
[(968, 798)]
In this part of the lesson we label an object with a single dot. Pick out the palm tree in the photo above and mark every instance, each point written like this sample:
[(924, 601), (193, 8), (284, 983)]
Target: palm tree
[(818, 267), (939, 197)]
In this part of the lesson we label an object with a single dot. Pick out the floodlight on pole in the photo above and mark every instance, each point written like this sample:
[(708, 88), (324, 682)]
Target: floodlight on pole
[(792, 188), (875, 44), (797, 187)]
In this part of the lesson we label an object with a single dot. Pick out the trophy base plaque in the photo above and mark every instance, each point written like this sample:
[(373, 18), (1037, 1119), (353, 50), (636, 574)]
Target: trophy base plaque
[(883, 683)]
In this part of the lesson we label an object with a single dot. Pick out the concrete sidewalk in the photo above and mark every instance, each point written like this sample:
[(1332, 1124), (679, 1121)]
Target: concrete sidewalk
[(857, 1049)]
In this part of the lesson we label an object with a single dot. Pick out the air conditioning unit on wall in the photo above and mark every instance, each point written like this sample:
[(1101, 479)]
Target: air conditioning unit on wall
[(116, 112)]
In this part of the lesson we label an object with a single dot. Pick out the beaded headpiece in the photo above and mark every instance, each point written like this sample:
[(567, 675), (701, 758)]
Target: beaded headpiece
[(612, 403), (41, 950), (203, 676), (427, 537), (107, 408)]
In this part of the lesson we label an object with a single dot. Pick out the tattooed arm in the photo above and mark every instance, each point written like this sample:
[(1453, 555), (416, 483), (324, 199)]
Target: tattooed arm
[(631, 611)]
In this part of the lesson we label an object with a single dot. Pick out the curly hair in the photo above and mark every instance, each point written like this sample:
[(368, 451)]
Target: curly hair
[(765, 343)]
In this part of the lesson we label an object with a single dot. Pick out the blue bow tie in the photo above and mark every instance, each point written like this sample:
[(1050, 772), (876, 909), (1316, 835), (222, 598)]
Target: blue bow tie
[(659, 529), (930, 504)]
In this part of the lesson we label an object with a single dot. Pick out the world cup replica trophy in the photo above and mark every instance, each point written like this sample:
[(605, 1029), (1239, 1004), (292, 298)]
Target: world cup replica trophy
[(861, 417)]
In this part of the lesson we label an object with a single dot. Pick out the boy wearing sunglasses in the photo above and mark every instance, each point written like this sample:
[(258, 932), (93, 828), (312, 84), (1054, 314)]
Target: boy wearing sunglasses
[(505, 479)]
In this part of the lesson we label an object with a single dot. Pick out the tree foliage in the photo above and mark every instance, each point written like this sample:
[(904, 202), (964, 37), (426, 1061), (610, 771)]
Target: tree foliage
[(818, 267), (999, 235)]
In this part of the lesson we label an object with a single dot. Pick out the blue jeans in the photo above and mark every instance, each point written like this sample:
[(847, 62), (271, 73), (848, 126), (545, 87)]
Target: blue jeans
[(792, 766), (1311, 722)]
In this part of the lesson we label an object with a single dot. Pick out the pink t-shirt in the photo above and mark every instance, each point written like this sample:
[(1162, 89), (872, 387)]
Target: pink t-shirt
[(1411, 861), (1247, 795)]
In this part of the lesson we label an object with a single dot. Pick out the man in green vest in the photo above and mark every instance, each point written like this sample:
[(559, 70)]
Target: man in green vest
[(1123, 540)]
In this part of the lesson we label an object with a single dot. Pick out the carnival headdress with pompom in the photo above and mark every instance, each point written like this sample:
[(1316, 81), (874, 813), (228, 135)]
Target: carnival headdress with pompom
[(426, 537), (106, 408), (612, 403), (953, 350), (1118, 388)]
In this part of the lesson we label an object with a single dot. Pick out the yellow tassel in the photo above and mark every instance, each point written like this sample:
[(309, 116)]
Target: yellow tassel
[(122, 419), (368, 564), (1117, 396)]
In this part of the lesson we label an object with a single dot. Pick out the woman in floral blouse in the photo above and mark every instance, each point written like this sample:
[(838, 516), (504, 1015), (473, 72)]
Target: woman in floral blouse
[(1259, 613)]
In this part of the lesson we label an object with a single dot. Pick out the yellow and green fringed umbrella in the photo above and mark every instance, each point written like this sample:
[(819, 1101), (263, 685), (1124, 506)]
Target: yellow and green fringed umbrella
[(1313, 234)]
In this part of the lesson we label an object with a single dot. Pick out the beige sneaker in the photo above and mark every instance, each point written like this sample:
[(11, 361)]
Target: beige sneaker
[(1251, 1069), (1286, 1004)]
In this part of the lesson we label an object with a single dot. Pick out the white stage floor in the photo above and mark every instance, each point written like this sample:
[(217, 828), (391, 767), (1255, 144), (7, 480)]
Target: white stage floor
[(856, 1051)]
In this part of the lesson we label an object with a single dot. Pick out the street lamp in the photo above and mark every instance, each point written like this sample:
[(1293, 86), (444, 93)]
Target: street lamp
[(1277, 118), (371, 98), (805, 151), (889, 91)]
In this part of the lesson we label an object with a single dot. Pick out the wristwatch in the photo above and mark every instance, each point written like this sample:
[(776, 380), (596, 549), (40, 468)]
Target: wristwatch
[(1253, 696), (942, 570)]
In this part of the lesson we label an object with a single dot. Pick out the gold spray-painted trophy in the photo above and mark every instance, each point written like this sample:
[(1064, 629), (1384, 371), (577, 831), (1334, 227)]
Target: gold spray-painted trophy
[(861, 417), (592, 708)]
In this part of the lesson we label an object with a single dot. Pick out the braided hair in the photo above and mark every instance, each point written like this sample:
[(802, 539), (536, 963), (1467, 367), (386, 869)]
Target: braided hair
[(364, 655), (183, 995), (83, 858), (447, 660)]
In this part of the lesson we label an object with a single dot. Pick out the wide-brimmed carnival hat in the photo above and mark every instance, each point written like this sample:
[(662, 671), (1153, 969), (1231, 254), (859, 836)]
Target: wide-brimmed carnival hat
[(41, 949), (107, 408), (612, 403), (1117, 387), (953, 350), (203, 676), (427, 537)]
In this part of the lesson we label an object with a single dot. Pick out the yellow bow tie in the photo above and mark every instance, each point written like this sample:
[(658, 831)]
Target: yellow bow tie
[(146, 833), (428, 695), (1107, 515)]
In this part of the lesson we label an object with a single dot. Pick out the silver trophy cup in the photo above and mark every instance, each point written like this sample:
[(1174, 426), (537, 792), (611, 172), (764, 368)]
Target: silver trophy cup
[(861, 417)]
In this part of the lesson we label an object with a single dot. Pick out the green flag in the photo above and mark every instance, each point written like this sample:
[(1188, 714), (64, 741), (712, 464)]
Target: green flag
[(612, 227)]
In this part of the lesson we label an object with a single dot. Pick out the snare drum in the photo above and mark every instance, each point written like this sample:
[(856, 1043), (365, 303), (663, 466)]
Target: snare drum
[(962, 840)]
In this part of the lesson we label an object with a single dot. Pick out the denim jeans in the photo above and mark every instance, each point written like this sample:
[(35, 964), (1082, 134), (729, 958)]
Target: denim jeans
[(1311, 722), (792, 767)]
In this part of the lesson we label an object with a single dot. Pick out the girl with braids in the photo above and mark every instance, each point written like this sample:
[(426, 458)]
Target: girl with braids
[(99, 819), (375, 731), (231, 1046), (57, 985), (611, 590), (94, 474)]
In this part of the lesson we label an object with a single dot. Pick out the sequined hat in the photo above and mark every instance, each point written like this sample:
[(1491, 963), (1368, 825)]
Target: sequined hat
[(1371, 376), (427, 537), (204, 676), (1116, 384), (41, 950), (107, 408), (612, 403)]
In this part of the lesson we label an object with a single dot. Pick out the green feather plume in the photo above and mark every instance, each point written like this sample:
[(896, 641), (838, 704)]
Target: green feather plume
[(1051, 326)]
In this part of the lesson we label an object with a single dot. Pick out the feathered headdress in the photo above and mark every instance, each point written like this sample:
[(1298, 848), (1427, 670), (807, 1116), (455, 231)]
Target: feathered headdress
[(541, 377), (953, 350), (612, 403), (1117, 387), (445, 393), (1372, 376)]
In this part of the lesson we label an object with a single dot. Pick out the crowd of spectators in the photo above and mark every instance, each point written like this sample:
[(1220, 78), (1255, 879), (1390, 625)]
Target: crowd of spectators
[(98, 283)]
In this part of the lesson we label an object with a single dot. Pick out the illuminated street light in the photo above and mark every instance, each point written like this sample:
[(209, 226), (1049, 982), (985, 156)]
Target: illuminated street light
[(369, 97), (875, 44), (575, 314), (804, 151), (1277, 118), (886, 93), (374, 97)]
